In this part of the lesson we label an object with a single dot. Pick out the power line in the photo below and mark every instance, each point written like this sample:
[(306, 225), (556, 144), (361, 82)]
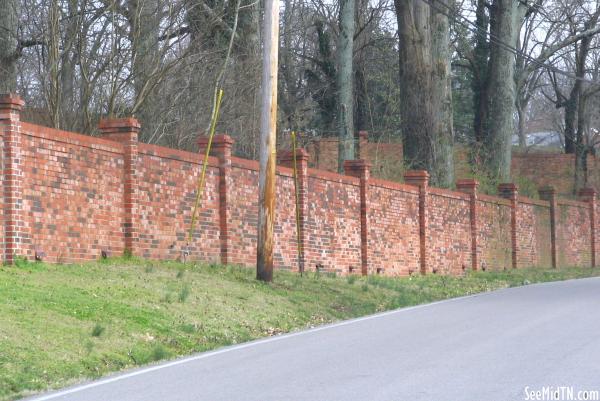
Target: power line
[(494, 39)]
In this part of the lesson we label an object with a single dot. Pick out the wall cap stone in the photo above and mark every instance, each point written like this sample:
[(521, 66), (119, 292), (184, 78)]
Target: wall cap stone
[(417, 178), (219, 140), (467, 184), (286, 156), (587, 193), (119, 125), (547, 192), (10, 106)]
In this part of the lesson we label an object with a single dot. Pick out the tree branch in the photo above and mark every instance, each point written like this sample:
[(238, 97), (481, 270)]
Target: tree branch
[(547, 53)]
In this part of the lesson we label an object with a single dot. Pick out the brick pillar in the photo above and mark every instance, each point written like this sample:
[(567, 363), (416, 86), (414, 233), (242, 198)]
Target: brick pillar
[(16, 235), (509, 191), (286, 158), (125, 131), (548, 193), (589, 195), (221, 148), (360, 169), (420, 178), (469, 186), (363, 141)]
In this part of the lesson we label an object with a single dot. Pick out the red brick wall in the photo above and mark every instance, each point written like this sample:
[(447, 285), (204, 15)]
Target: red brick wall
[(3, 198), (556, 169), (72, 194), (573, 235), (494, 232), (546, 169), (539, 169), (533, 232), (333, 222), (285, 250), (324, 154), (448, 231), (243, 196), (167, 192), (393, 228), (325, 151)]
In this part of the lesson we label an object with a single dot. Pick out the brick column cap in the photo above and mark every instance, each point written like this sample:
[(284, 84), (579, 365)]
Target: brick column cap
[(547, 192), (419, 178), (356, 168), (507, 186), (287, 156), (587, 193), (11, 102), (468, 185), (507, 190), (119, 125), (359, 164), (218, 141)]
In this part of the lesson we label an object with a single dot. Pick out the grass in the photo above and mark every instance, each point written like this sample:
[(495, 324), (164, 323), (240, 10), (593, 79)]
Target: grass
[(63, 323)]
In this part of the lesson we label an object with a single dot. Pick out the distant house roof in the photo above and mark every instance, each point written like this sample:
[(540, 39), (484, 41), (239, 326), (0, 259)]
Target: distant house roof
[(541, 138)]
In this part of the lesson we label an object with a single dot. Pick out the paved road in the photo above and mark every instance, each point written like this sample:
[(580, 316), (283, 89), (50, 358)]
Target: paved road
[(486, 347)]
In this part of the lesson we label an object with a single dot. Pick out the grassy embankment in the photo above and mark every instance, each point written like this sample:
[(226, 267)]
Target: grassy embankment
[(63, 323)]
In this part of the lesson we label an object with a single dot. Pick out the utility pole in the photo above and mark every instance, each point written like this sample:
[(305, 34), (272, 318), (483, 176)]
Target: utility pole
[(268, 120)]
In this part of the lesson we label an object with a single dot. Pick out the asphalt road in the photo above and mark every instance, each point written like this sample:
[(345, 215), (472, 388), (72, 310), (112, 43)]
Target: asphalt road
[(486, 347)]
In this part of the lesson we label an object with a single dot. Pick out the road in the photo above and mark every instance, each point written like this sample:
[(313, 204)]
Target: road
[(486, 347)]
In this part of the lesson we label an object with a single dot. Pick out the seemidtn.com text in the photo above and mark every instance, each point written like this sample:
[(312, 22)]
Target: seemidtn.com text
[(560, 393)]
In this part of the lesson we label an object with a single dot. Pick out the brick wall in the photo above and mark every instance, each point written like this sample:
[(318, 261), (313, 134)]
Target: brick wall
[(72, 194), (573, 234), (394, 227), (333, 226), (448, 231), (325, 151), (70, 198), (167, 191), (533, 231), (494, 233), (243, 217), (556, 169), (540, 169)]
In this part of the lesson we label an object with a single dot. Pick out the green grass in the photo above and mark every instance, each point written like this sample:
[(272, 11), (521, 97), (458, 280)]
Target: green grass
[(63, 323)]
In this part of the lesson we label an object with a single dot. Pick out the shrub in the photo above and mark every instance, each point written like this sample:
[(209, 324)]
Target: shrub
[(97, 330), (184, 293)]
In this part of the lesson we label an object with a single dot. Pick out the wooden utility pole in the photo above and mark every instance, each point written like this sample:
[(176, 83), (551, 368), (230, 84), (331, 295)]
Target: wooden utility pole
[(268, 120)]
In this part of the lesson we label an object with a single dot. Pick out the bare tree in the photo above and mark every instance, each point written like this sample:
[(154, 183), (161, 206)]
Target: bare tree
[(425, 85), (9, 44)]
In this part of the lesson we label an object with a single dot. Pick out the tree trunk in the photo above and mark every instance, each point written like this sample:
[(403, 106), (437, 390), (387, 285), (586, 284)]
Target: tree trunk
[(345, 83), (480, 73), (506, 18), (521, 125), (68, 64), (424, 85), (571, 106), (361, 112), (248, 44), (288, 79), (443, 157), (9, 23), (144, 22), (54, 91), (580, 149), (576, 105)]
